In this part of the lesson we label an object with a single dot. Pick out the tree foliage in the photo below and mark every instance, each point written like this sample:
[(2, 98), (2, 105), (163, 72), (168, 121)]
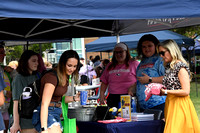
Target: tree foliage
[(14, 52), (36, 47), (191, 31)]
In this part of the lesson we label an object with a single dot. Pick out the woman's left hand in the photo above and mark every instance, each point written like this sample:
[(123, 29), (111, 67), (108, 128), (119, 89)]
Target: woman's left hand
[(162, 92), (130, 93), (77, 97), (132, 90), (144, 79)]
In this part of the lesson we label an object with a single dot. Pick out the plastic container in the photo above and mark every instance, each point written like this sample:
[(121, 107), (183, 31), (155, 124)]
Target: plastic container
[(83, 97), (133, 104), (82, 113)]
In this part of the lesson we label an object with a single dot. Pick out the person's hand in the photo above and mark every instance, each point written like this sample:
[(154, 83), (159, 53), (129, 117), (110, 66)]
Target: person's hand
[(131, 91), (102, 99), (8, 69), (162, 92), (77, 97), (144, 79), (15, 128)]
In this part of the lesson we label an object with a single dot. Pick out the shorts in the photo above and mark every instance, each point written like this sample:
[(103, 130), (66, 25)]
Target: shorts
[(2, 126), (53, 117)]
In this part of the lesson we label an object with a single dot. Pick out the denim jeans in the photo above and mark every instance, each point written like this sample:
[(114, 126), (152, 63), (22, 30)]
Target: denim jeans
[(53, 117), (2, 126)]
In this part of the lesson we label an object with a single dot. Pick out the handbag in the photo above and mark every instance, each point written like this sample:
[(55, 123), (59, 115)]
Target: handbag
[(69, 125)]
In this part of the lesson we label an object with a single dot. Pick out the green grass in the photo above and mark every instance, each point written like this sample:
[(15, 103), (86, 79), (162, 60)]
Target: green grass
[(194, 98)]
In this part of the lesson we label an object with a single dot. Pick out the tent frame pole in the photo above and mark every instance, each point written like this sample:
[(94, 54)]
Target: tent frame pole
[(195, 73)]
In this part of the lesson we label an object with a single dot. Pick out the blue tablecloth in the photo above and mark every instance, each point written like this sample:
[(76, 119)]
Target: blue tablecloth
[(155, 126)]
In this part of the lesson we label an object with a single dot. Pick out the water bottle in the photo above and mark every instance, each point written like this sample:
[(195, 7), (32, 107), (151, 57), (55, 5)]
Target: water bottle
[(133, 104)]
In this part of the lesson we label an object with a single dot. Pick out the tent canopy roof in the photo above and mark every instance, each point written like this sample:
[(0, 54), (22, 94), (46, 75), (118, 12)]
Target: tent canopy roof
[(37, 20), (108, 43), (99, 9)]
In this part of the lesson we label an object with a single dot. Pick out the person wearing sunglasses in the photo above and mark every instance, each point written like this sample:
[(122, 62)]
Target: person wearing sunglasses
[(119, 75), (180, 114), (150, 70)]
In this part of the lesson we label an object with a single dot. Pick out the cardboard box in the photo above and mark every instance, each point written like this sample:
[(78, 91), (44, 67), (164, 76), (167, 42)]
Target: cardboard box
[(126, 107)]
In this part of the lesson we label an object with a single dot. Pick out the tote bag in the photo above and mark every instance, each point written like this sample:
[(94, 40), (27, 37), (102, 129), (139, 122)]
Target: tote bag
[(69, 125)]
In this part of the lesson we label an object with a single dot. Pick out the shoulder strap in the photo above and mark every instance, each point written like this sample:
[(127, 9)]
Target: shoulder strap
[(72, 86), (38, 75)]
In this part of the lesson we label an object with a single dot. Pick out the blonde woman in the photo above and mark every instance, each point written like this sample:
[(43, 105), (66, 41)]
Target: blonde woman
[(180, 114)]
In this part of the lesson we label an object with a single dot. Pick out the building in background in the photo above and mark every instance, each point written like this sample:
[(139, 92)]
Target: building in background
[(78, 44), (54, 54)]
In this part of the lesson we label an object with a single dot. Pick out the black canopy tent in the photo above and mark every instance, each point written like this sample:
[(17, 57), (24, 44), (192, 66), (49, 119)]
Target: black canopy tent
[(23, 29), (32, 20)]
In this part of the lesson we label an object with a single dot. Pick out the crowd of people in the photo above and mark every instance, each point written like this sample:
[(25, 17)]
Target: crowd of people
[(161, 62)]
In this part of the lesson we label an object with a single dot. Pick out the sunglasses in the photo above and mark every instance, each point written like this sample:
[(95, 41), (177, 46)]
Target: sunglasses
[(162, 53)]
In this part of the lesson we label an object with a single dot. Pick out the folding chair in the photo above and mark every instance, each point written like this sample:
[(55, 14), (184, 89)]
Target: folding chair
[(157, 113)]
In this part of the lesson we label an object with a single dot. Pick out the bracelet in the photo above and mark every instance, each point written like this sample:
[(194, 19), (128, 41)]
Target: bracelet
[(74, 98), (43, 129)]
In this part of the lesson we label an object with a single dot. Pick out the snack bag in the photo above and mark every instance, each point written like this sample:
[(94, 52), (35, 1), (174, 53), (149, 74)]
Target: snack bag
[(153, 89)]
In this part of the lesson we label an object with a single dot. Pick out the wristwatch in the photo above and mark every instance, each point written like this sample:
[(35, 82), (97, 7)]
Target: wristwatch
[(43, 129), (165, 92), (150, 79)]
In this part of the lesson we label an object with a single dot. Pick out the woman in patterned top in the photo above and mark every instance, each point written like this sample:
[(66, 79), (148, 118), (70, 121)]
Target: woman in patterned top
[(180, 114)]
